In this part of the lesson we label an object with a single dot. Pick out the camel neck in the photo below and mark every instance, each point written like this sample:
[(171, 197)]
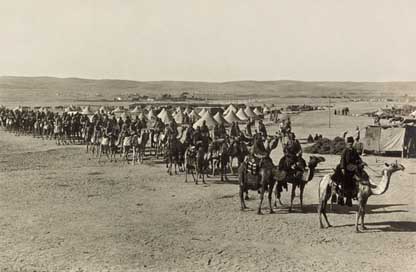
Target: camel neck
[(383, 186)]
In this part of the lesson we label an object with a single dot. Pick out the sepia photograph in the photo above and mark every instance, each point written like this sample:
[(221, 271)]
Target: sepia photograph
[(207, 135)]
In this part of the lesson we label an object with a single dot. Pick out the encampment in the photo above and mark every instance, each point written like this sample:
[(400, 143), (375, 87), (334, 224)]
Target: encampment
[(380, 139)]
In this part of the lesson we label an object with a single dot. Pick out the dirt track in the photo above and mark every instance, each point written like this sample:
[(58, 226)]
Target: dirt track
[(60, 210)]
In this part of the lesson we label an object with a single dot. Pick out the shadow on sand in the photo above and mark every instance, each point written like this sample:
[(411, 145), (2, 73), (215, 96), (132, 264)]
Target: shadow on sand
[(387, 226), (337, 209)]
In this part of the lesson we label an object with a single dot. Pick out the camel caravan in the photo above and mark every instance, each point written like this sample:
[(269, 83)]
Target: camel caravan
[(207, 142)]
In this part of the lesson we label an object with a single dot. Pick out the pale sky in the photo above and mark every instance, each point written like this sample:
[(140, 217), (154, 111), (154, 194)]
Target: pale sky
[(211, 40)]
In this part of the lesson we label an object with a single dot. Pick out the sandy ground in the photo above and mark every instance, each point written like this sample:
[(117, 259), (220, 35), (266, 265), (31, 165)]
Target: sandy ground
[(62, 211)]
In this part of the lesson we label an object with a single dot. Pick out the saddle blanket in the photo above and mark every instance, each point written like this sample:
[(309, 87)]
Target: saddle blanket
[(253, 165)]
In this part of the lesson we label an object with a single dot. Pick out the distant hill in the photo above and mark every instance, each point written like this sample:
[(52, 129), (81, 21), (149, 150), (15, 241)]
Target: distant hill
[(67, 89)]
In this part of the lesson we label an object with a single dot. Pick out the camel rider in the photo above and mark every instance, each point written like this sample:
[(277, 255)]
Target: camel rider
[(248, 128), (216, 132), (292, 155), (172, 131), (174, 125), (351, 164), (258, 150), (262, 130), (190, 135), (204, 129), (222, 131), (197, 137), (235, 131)]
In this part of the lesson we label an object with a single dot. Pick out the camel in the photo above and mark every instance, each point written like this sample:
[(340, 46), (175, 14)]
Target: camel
[(139, 143), (195, 161), (264, 180), (365, 189), (300, 181)]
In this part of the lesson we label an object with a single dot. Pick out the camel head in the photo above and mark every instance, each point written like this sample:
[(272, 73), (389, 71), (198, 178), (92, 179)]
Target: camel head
[(272, 142), (314, 161), (393, 167)]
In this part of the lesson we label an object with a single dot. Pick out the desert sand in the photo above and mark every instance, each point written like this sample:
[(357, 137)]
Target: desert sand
[(62, 211)]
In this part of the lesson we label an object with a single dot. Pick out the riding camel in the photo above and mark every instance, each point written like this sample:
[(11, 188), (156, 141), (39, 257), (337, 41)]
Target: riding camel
[(261, 181), (365, 189), (299, 181)]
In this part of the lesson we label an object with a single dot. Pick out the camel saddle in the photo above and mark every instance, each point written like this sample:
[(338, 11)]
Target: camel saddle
[(253, 165)]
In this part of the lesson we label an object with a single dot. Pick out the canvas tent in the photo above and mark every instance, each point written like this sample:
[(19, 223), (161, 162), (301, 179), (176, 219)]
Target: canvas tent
[(202, 112), (179, 118), (266, 110), (230, 108), (220, 119), (118, 110), (142, 115), (231, 117), (151, 115), (87, 111), (413, 114), (136, 110), (209, 120), (390, 139), (194, 116), (242, 115), (257, 111), (250, 113), (165, 116)]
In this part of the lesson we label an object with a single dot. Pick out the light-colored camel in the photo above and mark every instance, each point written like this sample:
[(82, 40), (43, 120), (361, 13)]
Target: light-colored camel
[(365, 189)]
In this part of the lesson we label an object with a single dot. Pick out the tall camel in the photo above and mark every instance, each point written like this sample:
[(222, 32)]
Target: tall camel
[(300, 181), (264, 180), (365, 189)]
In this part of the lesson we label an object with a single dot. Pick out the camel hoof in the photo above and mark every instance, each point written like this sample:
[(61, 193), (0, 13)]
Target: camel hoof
[(364, 228), (271, 212), (329, 225), (260, 213), (247, 198)]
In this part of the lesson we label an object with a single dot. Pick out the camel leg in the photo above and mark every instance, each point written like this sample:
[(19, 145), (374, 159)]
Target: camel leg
[(261, 200), (242, 203), (270, 198), (292, 197), (302, 188), (363, 214)]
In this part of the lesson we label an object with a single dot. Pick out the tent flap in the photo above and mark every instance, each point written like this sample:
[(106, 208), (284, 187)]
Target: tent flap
[(392, 139)]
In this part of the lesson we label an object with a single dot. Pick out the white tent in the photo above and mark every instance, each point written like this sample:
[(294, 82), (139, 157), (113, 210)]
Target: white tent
[(151, 115), (187, 110), (162, 113), (142, 115), (249, 112), (413, 114), (209, 120), (202, 112), (266, 110), (136, 110), (220, 119), (179, 117), (118, 110), (194, 116), (242, 115), (230, 108), (231, 117), (165, 116), (257, 111), (87, 111)]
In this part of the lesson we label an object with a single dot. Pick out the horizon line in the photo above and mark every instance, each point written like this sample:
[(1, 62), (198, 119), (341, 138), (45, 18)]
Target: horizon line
[(208, 81)]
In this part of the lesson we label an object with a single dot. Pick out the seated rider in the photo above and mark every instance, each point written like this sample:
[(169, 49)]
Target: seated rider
[(235, 130), (204, 129), (258, 150), (292, 155), (351, 164)]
